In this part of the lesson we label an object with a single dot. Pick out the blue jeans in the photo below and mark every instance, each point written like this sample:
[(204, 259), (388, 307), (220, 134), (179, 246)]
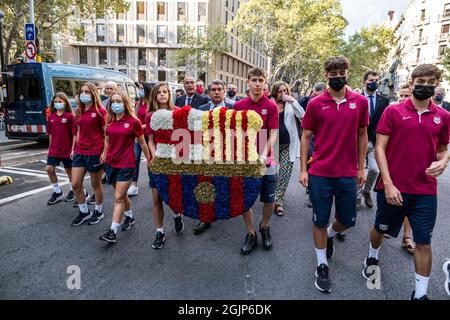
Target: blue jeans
[(137, 153)]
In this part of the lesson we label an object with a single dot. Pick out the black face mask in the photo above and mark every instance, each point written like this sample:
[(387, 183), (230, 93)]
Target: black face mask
[(372, 86), (337, 83), (422, 93)]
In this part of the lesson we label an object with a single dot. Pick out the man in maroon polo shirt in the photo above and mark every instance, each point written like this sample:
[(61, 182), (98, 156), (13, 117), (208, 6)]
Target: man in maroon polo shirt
[(411, 152), (338, 118), (268, 111)]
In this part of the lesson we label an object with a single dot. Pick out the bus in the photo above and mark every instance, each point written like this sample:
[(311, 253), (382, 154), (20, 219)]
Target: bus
[(32, 86)]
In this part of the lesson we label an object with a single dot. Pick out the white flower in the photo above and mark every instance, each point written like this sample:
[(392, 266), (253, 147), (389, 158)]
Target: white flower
[(162, 119), (166, 151), (195, 120)]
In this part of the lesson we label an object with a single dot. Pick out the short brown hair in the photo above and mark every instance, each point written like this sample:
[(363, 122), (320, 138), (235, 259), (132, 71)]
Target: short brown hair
[(256, 72), (426, 70), (337, 63), (370, 73)]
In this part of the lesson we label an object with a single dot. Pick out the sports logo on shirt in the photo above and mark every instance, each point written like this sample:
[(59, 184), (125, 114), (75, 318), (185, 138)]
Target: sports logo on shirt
[(126, 125), (63, 120), (406, 118), (325, 108), (437, 120), (264, 112), (383, 227), (93, 114), (352, 106)]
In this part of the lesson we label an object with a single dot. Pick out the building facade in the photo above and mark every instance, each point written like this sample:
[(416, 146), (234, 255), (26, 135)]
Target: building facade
[(423, 35), (142, 42)]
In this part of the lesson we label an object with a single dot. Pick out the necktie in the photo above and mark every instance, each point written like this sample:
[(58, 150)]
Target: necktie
[(372, 106), (189, 100)]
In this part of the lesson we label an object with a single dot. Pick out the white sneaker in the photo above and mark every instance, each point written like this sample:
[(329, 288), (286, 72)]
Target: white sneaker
[(446, 268), (133, 191)]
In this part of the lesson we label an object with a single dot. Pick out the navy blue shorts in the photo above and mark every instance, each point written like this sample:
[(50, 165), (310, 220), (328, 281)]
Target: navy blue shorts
[(322, 190), (151, 180), (55, 161), (91, 163), (421, 211), (268, 186), (114, 175)]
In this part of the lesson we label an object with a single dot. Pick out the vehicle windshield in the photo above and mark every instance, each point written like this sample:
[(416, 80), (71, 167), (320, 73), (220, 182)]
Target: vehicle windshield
[(25, 89)]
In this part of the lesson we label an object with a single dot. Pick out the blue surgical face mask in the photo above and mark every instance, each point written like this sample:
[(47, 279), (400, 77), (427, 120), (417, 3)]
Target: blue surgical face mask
[(85, 98), (439, 98), (141, 93), (59, 105), (117, 107)]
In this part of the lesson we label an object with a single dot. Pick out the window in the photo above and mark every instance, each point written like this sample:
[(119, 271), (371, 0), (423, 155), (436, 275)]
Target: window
[(100, 13), (162, 57), (442, 49), (221, 63), (181, 9), (80, 33), (447, 10), (142, 75), (120, 33), (101, 32), (140, 10), (418, 54), (422, 14), (180, 76), (102, 58), (121, 12), (122, 56), (65, 86), (140, 34), (161, 34), (202, 11), (226, 17), (162, 75), (27, 88), (161, 11), (445, 28), (201, 31), (420, 35), (142, 56), (179, 34), (83, 55), (78, 85)]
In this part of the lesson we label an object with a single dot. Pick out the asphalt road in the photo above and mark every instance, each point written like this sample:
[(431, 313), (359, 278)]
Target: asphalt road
[(39, 245)]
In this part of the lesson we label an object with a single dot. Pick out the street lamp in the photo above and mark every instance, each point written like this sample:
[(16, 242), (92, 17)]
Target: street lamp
[(2, 54)]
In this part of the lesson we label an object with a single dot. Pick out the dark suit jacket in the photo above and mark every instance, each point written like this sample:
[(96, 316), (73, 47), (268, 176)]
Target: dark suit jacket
[(205, 107), (197, 101), (446, 105), (381, 105)]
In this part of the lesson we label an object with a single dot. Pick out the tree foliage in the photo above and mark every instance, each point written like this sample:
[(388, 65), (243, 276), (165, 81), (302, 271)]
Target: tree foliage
[(50, 16), (198, 50), (367, 50)]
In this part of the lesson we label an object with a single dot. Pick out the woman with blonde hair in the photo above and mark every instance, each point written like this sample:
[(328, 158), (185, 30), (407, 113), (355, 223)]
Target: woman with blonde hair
[(289, 143), (122, 129), (60, 125), (86, 150), (160, 98)]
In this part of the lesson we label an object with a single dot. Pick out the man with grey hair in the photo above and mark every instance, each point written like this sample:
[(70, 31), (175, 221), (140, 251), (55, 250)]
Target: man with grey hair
[(191, 98), (438, 98), (317, 90), (110, 88), (232, 96), (216, 91)]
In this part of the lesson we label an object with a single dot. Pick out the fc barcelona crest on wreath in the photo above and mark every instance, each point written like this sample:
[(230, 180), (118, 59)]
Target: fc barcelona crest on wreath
[(206, 164)]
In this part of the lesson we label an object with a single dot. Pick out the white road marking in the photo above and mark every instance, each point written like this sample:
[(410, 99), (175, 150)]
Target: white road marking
[(28, 173), (59, 175), (29, 193), (25, 155)]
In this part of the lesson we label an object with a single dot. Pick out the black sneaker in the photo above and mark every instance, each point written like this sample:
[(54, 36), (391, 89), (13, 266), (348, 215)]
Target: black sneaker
[(128, 223), (54, 198), (109, 236), (159, 240), (87, 196), (330, 248), (251, 241), (309, 203), (81, 218), (323, 282), (96, 217), (91, 201), (70, 196), (367, 263), (424, 297), (179, 225), (340, 236), (266, 239)]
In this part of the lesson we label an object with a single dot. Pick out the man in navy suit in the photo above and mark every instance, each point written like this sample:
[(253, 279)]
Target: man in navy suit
[(191, 98)]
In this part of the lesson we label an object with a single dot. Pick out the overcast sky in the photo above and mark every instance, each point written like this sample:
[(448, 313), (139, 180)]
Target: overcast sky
[(363, 13)]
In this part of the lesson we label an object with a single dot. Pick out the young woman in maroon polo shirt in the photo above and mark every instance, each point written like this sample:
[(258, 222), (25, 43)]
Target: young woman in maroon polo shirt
[(141, 110), (160, 98), (86, 150), (123, 127), (60, 124)]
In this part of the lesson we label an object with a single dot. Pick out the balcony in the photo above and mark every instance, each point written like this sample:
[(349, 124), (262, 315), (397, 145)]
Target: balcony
[(421, 21), (445, 17), (421, 41), (444, 37)]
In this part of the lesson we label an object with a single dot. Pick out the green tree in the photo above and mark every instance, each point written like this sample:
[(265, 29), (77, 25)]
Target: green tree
[(199, 50), (367, 50), (299, 35), (446, 63), (50, 16)]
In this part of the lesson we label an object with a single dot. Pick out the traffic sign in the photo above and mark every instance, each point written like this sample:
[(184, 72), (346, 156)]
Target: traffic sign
[(30, 34), (31, 50)]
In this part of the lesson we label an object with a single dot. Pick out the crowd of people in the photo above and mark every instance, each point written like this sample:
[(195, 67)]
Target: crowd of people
[(335, 131)]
